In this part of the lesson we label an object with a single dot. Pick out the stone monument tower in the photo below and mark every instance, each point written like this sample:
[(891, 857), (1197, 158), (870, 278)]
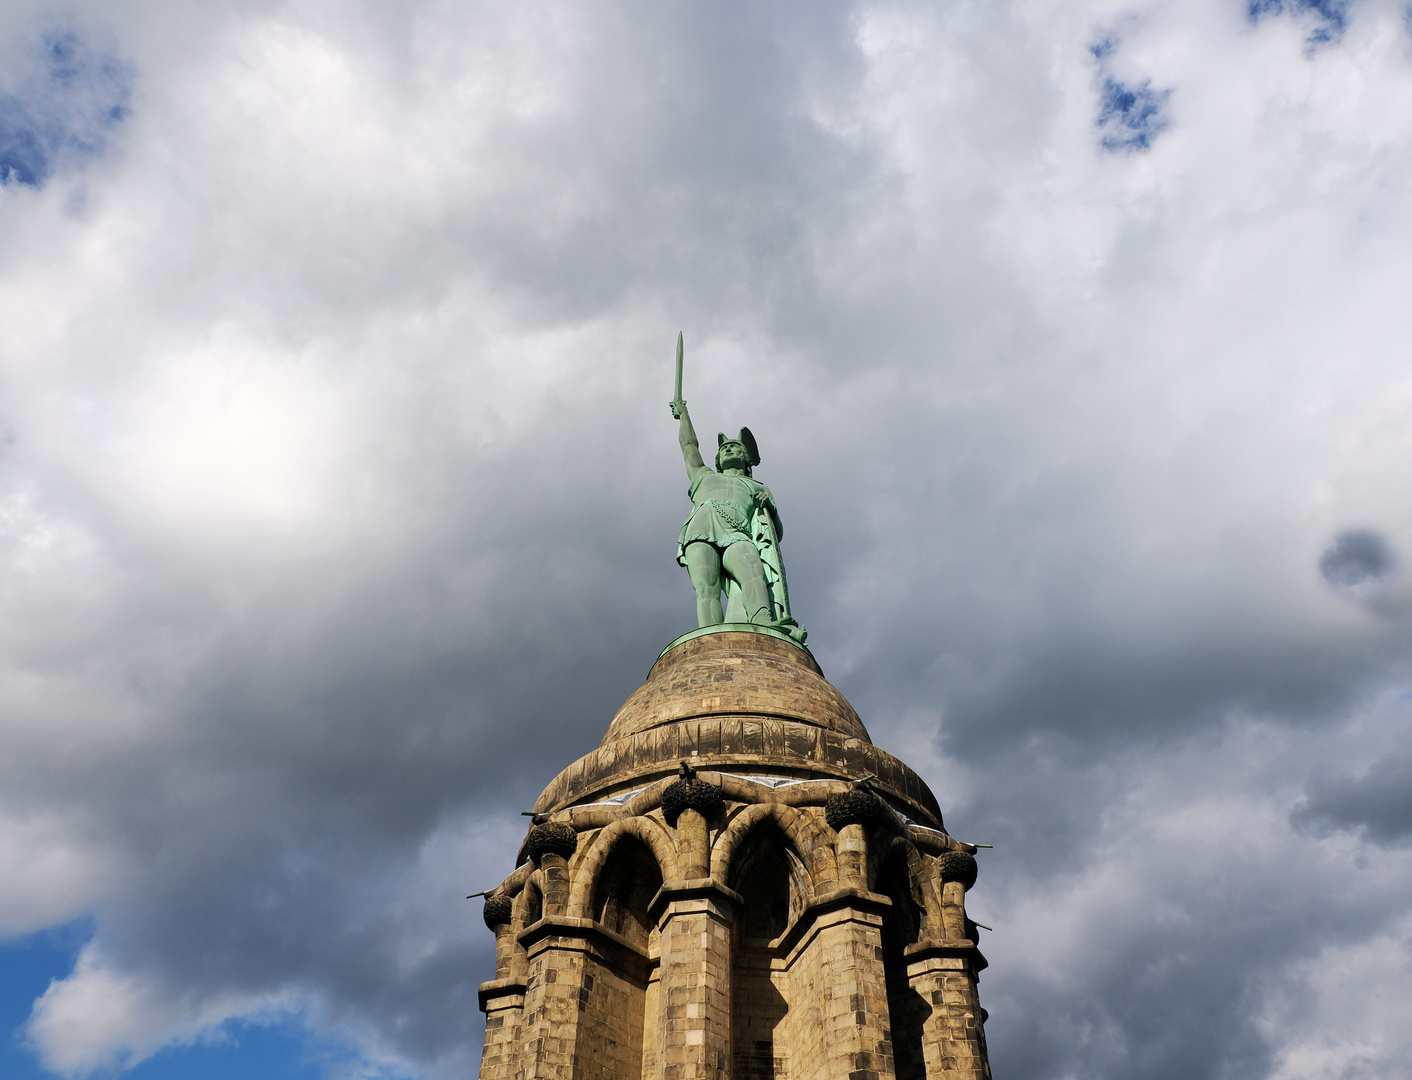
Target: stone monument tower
[(737, 884)]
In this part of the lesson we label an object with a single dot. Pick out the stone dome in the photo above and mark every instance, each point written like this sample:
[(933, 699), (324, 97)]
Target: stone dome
[(745, 700), (735, 673)]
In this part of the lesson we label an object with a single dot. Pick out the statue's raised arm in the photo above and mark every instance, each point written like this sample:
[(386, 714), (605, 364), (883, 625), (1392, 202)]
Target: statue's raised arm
[(732, 538), (686, 436)]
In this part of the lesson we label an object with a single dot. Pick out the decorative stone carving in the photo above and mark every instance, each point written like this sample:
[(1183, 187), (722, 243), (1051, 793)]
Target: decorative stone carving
[(856, 807), (551, 838), (958, 866), (498, 911), (692, 794)]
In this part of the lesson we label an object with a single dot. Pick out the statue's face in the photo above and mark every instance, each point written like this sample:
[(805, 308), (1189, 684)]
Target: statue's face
[(732, 455)]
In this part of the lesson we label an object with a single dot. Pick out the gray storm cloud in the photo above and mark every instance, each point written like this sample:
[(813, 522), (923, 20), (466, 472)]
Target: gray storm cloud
[(339, 490), (1358, 559)]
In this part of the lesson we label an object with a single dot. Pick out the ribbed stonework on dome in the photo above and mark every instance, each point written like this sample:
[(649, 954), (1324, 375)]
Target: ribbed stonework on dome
[(744, 701), (755, 890), (738, 673)]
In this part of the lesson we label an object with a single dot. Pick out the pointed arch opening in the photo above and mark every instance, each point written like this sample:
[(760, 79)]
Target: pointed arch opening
[(772, 880), (630, 878), (774, 885)]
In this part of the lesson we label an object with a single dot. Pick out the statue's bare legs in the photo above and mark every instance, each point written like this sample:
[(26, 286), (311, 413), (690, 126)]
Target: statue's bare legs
[(742, 565), (703, 563)]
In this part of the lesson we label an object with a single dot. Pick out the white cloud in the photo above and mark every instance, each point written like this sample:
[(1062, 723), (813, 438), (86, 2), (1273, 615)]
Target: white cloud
[(1343, 1013), (99, 1018), (336, 458)]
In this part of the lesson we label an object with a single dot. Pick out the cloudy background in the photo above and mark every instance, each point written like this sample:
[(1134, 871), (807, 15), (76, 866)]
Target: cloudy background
[(338, 491)]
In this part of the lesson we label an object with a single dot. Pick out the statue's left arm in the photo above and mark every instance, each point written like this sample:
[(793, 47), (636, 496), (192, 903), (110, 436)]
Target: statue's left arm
[(765, 503)]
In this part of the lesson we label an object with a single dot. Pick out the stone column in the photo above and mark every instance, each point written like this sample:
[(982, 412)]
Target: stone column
[(953, 913), (953, 1035), (555, 967), (839, 986), (554, 870), (498, 915), (688, 805), (503, 1003), (852, 852), (944, 978), (550, 1030), (651, 1027), (957, 871), (693, 845), (503, 999), (549, 846), (849, 814), (694, 1029), (584, 1002)]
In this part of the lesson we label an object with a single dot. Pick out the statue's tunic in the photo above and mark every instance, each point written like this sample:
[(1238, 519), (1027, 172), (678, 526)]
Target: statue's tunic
[(721, 515)]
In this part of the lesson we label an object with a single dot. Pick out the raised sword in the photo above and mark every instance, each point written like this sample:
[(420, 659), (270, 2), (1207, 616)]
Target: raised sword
[(679, 355)]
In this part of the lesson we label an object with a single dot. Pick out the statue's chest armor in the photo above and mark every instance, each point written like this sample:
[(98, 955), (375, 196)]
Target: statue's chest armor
[(730, 490)]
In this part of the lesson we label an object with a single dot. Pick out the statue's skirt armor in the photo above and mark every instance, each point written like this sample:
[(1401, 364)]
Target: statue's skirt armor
[(721, 516)]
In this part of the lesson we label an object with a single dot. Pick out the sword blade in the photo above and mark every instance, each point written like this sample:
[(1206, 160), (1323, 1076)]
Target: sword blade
[(680, 352)]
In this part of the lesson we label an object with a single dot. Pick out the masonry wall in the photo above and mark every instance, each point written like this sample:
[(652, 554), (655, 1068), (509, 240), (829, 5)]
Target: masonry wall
[(839, 995), (837, 976), (501, 1054), (953, 1041), (651, 1013), (611, 1009), (694, 1022), (583, 1014), (761, 1039)]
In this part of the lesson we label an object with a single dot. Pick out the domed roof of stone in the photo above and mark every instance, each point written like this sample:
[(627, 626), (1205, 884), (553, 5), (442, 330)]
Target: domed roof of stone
[(735, 673)]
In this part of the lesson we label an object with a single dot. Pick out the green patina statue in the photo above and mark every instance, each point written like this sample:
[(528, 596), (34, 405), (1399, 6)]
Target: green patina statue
[(732, 538)]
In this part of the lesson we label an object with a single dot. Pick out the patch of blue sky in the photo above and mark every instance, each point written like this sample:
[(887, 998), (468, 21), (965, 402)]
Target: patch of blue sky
[(278, 1051), (1131, 116), (27, 966), (1330, 16), (62, 109)]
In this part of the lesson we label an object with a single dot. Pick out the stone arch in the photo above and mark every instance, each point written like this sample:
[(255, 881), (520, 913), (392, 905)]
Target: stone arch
[(810, 842), (925, 881), (899, 873), (588, 872), (528, 905)]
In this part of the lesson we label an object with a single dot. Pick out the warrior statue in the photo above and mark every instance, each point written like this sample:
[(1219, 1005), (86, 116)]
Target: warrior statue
[(731, 540)]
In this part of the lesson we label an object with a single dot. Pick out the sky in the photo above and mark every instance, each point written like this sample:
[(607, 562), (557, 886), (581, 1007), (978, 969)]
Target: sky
[(339, 492)]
